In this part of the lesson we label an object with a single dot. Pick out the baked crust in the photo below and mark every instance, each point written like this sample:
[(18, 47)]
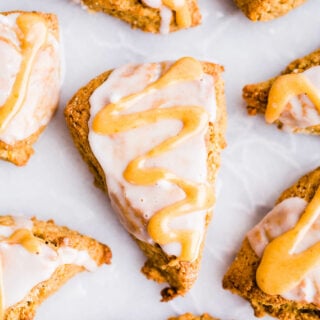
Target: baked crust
[(138, 15), (55, 236), (190, 316), (20, 152), (241, 276), (264, 10), (256, 95), (159, 266)]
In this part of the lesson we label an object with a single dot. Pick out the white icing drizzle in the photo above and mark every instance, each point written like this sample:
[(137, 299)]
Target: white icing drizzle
[(165, 12), (280, 219), (300, 112), (23, 270), (44, 84), (137, 204)]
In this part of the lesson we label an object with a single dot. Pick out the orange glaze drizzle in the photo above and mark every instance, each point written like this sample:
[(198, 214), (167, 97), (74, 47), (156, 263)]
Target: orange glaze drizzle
[(280, 270), (284, 89), (183, 15), (23, 237), (10, 43), (4, 221), (194, 119), (32, 35)]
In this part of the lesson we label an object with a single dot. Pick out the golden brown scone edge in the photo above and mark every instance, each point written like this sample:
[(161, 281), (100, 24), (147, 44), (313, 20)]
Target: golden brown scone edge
[(265, 10), (159, 266), (55, 236), (241, 275), (20, 152), (139, 15), (190, 316)]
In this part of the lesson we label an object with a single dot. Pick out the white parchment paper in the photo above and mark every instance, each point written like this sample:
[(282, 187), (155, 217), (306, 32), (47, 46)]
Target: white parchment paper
[(258, 164)]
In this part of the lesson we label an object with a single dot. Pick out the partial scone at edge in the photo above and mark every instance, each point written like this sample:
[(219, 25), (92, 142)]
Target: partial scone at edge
[(190, 316), (264, 10), (241, 276), (20, 152), (159, 266), (55, 237), (256, 95), (138, 15)]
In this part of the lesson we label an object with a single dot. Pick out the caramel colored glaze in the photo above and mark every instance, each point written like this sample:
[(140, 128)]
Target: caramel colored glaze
[(21, 236), (25, 238), (6, 221), (281, 270), (286, 87), (183, 15), (194, 119), (32, 35)]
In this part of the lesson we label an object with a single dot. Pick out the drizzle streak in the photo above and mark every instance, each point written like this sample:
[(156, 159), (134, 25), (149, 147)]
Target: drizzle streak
[(32, 35), (280, 269), (25, 238), (194, 119), (284, 89)]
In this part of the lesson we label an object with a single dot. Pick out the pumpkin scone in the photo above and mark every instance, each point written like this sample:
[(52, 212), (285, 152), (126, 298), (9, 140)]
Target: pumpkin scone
[(37, 258), (152, 135), (190, 316), (157, 16), (29, 80), (277, 268), (292, 99), (264, 10)]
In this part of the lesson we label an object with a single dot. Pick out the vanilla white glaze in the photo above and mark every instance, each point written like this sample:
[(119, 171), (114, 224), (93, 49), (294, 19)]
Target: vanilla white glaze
[(300, 112), (280, 219), (165, 12), (114, 152), (22, 270), (44, 84)]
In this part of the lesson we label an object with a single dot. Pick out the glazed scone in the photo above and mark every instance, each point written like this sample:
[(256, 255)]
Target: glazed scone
[(190, 316), (264, 10), (152, 135), (277, 267), (291, 100), (50, 255), (29, 80), (157, 16)]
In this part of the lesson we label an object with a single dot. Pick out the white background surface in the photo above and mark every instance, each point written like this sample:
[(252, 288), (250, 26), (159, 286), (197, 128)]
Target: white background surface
[(258, 164)]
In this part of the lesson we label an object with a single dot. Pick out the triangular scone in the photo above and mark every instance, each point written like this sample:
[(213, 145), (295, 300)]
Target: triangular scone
[(50, 255), (281, 255), (157, 16), (29, 80), (283, 99), (140, 156), (190, 316), (264, 10)]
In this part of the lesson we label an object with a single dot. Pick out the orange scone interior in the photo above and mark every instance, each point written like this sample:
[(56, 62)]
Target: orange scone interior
[(36, 259), (29, 79), (152, 135)]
